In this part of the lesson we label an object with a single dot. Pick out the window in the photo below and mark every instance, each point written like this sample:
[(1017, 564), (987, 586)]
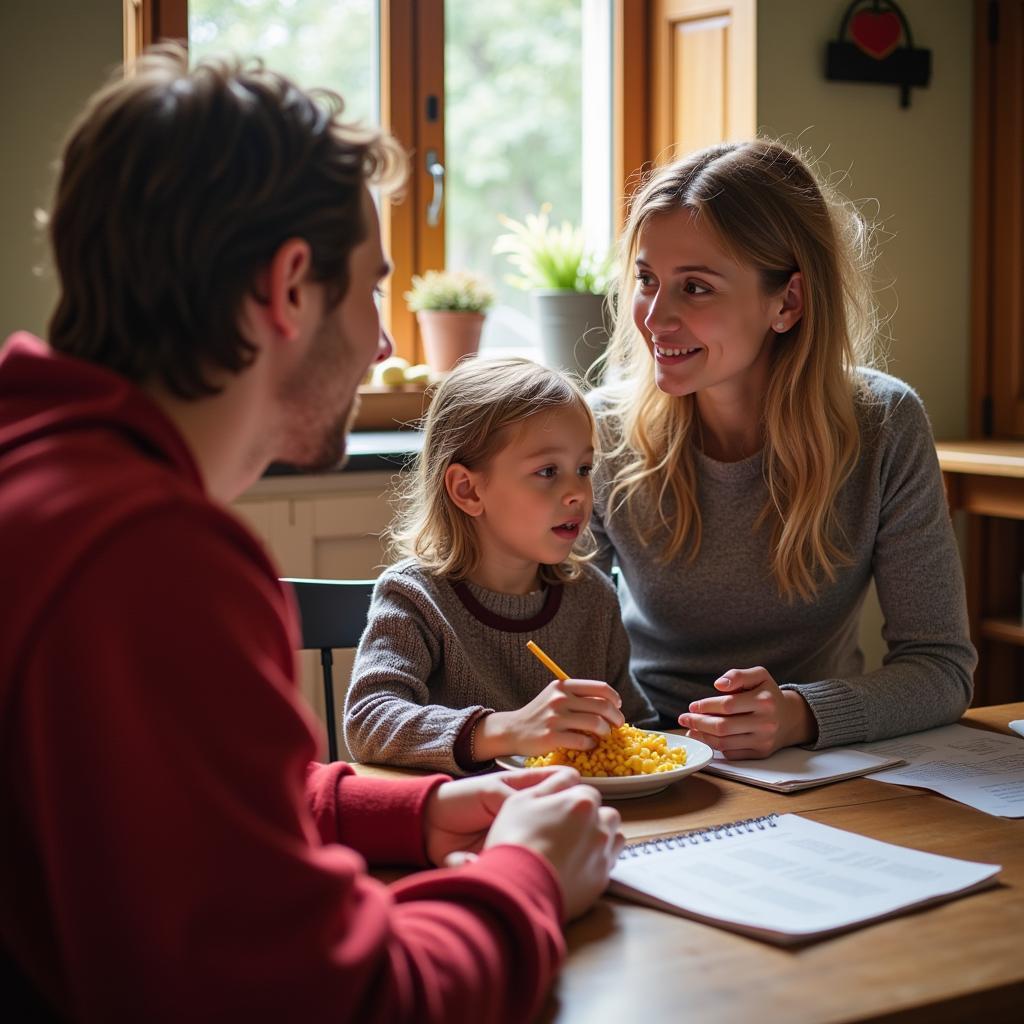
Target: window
[(527, 121), (514, 101), (331, 43)]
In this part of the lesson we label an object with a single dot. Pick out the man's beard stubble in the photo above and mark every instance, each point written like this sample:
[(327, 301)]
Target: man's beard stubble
[(332, 453), (309, 446)]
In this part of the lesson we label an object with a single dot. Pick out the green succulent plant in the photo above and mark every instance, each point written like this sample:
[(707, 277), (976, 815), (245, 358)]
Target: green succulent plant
[(550, 257), (451, 290)]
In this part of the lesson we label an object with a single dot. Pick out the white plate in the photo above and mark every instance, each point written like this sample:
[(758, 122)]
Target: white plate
[(626, 787)]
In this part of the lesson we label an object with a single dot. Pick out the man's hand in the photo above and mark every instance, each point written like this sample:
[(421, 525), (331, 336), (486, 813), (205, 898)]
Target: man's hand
[(459, 814), (571, 714), (753, 717), (543, 809), (568, 826)]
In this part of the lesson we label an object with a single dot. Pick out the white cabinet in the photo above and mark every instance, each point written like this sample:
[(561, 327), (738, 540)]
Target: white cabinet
[(322, 527)]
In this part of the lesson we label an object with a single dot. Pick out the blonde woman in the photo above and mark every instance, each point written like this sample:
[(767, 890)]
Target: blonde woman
[(492, 531), (758, 478)]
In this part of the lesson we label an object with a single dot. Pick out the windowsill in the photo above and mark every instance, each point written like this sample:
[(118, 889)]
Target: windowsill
[(368, 451)]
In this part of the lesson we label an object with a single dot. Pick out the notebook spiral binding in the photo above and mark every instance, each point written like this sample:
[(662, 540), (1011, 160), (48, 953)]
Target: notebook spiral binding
[(702, 835)]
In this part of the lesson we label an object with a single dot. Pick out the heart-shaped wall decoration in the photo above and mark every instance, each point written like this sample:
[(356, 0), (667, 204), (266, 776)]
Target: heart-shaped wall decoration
[(876, 34)]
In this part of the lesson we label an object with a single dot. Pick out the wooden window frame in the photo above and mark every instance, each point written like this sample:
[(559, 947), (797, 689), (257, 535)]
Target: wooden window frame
[(631, 143), (412, 71)]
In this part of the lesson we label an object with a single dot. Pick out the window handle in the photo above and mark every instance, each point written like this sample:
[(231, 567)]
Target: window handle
[(436, 171)]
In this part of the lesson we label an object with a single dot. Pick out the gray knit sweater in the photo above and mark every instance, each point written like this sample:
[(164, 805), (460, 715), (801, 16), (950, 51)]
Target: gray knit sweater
[(688, 622), (435, 656)]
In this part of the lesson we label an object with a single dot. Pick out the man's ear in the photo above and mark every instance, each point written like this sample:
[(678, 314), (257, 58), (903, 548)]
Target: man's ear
[(461, 485), (281, 298)]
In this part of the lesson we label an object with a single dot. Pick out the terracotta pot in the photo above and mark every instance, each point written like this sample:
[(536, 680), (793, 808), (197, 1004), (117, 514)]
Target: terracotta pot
[(449, 336)]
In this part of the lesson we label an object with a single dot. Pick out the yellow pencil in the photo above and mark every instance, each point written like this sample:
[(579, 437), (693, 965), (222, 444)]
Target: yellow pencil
[(541, 656)]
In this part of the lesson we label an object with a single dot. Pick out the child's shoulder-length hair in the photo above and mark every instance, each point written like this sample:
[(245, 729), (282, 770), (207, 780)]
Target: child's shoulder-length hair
[(468, 423)]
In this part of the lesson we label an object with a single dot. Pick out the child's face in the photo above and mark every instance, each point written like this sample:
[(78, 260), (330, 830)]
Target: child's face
[(705, 317), (535, 494)]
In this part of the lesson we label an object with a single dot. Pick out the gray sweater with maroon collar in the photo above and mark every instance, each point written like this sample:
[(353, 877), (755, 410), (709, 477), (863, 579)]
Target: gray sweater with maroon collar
[(688, 622), (437, 655)]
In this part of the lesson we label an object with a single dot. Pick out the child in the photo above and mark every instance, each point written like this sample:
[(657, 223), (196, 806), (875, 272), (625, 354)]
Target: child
[(492, 526)]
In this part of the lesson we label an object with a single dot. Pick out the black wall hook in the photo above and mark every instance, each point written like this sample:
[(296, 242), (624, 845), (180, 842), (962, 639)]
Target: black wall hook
[(869, 49)]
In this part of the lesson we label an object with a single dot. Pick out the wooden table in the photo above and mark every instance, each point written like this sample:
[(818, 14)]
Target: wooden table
[(960, 961)]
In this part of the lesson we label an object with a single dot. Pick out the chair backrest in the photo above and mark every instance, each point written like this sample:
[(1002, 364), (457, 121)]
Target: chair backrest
[(332, 612), (333, 615)]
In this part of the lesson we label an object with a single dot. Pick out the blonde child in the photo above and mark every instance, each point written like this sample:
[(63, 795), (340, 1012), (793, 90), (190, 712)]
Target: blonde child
[(492, 529)]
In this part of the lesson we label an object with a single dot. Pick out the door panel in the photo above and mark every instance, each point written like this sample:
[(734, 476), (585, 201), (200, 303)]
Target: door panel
[(703, 72), (1007, 198)]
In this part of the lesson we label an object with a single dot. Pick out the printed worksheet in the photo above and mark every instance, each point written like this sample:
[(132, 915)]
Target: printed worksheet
[(785, 878), (981, 769)]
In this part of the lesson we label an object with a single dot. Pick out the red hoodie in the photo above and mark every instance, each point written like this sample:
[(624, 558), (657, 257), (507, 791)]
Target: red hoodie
[(169, 851)]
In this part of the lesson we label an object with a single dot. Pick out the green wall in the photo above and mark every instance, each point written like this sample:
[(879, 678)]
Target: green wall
[(915, 162), (53, 56)]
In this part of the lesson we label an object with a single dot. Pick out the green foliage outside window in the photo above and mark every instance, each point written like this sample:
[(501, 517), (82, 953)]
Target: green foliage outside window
[(513, 119), (318, 43), (513, 125)]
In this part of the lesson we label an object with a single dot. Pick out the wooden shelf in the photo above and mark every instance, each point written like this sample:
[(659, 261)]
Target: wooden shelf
[(1008, 630), (392, 408), (982, 458)]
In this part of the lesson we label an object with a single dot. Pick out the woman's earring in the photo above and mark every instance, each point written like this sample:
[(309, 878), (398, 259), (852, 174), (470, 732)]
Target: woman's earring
[(780, 326)]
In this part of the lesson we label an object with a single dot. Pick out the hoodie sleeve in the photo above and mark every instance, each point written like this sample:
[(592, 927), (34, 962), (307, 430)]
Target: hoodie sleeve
[(164, 758)]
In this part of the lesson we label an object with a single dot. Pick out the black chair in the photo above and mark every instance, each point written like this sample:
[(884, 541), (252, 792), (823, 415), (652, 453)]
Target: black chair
[(333, 615)]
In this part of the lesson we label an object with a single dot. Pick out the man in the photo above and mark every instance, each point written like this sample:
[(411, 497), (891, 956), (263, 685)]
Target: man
[(171, 851)]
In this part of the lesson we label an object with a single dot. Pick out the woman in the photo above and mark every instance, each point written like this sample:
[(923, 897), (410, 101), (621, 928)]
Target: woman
[(757, 479)]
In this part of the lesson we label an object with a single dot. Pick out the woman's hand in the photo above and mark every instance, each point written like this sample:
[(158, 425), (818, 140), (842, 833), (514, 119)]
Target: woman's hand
[(752, 718), (571, 714)]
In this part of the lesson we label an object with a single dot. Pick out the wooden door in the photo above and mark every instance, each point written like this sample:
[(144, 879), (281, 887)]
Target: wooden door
[(998, 281), (703, 74), (995, 535), (1008, 223)]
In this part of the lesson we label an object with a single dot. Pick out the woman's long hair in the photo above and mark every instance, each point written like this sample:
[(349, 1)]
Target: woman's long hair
[(766, 207)]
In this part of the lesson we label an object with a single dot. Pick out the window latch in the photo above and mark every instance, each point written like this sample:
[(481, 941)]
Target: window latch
[(436, 171)]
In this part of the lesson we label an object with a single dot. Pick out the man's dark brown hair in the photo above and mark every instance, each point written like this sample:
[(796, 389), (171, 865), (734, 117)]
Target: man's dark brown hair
[(176, 188)]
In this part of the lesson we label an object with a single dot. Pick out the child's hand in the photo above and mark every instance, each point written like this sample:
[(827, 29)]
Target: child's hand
[(569, 714)]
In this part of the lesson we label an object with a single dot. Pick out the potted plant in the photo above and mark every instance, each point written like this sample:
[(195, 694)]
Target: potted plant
[(450, 306), (567, 285)]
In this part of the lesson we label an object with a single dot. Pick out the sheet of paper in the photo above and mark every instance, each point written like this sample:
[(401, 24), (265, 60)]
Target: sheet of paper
[(797, 878), (795, 768), (981, 769)]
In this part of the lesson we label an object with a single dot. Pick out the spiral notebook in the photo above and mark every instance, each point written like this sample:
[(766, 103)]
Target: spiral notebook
[(786, 879)]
